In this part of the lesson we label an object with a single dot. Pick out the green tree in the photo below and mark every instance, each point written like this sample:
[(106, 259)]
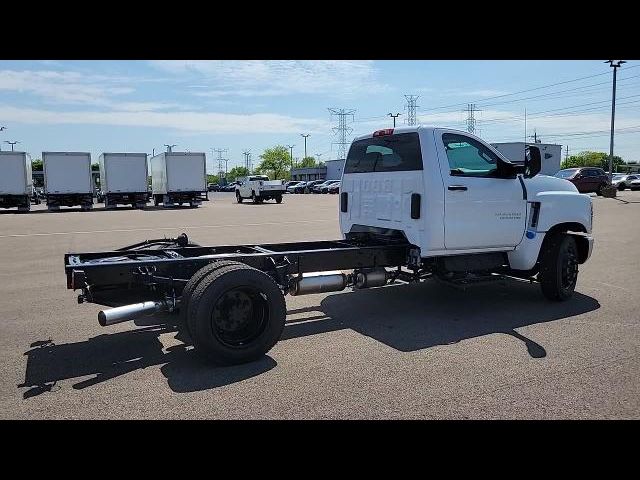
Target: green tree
[(212, 178), (276, 162), (36, 165), (307, 162), (95, 167), (236, 172), (592, 159)]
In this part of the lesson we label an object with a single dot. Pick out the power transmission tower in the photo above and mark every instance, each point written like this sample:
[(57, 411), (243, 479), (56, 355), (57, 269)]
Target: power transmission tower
[(246, 154), (411, 109), (220, 151), (471, 118), (342, 130)]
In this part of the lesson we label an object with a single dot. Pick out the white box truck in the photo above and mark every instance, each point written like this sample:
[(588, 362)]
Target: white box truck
[(16, 183), (123, 179), (67, 179), (179, 178), (551, 154)]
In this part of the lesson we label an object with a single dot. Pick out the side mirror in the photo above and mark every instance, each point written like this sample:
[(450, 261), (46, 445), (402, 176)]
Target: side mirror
[(532, 161)]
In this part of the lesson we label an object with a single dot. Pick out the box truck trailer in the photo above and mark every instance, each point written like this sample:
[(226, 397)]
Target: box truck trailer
[(67, 179), (16, 183), (179, 178), (551, 154), (123, 179)]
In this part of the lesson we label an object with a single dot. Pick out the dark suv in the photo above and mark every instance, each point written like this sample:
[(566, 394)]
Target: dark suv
[(586, 179)]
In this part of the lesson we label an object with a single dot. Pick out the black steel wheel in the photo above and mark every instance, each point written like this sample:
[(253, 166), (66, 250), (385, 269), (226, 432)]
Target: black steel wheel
[(237, 314), (238, 197), (559, 267), (254, 199), (279, 199)]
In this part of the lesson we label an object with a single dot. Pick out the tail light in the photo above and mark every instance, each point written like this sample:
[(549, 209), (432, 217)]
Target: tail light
[(382, 133)]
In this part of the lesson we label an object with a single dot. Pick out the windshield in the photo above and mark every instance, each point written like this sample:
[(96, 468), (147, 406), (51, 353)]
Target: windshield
[(566, 173), (618, 177), (389, 153)]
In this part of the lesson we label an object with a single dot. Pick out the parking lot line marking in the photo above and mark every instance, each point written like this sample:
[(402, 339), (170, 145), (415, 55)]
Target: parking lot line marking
[(192, 227)]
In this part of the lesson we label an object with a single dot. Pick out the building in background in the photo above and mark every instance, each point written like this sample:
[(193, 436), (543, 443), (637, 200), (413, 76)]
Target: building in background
[(550, 153)]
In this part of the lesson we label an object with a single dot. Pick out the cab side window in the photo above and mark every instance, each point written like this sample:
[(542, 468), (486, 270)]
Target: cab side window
[(468, 157)]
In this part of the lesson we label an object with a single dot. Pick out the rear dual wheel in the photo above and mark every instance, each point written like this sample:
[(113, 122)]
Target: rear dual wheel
[(234, 313)]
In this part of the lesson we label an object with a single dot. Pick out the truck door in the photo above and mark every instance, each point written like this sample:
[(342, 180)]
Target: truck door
[(482, 209)]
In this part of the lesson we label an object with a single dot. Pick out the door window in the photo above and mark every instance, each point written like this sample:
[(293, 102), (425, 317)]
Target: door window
[(468, 157)]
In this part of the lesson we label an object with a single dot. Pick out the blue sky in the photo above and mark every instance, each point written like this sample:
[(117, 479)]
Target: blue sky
[(137, 106)]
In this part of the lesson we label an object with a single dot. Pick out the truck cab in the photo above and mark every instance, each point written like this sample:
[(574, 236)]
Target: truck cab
[(451, 194)]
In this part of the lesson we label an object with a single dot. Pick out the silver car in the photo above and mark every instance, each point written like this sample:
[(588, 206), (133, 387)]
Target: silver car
[(623, 180)]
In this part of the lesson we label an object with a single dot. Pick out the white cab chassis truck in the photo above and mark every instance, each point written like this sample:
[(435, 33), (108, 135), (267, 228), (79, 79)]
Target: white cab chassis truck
[(259, 188), (179, 178), (124, 179), (16, 183), (67, 180), (416, 203)]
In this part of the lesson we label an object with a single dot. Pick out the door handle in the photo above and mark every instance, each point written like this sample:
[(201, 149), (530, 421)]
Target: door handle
[(460, 188)]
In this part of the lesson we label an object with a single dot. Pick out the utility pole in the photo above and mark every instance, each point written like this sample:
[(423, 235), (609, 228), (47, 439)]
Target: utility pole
[(11, 143), (318, 155), (342, 129), (305, 135), (535, 137), (411, 109), (291, 152), (615, 64), (566, 153), (394, 118)]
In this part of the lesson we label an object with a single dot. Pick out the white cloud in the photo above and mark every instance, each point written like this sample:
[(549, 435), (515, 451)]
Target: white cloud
[(62, 87), (279, 77), (187, 121)]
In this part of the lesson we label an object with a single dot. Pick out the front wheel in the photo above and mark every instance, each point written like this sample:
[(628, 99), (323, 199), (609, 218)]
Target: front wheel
[(279, 199), (600, 189), (621, 187), (254, 199), (238, 197), (559, 267)]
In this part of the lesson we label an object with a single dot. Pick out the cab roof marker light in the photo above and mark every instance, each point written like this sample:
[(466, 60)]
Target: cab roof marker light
[(381, 133)]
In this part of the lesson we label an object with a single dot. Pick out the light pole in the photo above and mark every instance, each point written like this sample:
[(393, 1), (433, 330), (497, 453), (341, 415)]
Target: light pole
[(1, 129), (394, 118), (305, 135), (615, 64), (11, 143), (169, 147), (291, 154)]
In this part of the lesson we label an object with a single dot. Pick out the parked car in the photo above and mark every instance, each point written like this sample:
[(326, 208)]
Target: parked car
[(334, 187), (308, 186), (635, 184), (327, 186), (623, 180), (213, 187), (586, 179), (292, 185), (318, 188)]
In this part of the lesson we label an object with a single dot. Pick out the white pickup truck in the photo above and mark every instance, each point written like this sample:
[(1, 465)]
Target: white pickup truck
[(259, 188), (415, 203)]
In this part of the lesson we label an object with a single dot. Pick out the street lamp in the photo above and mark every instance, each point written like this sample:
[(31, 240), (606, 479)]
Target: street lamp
[(11, 143), (169, 147), (305, 135), (394, 118), (615, 64)]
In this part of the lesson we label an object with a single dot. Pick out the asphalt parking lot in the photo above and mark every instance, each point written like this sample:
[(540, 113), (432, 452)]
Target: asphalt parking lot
[(413, 351)]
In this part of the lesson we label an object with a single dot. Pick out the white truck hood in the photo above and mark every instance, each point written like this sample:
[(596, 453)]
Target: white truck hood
[(545, 183)]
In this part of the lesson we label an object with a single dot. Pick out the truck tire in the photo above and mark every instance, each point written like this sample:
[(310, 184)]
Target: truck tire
[(238, 197), (621, 186), (193, 283), (600, 188), (237, 313), (254, 199), (279, 199), (559, 267)]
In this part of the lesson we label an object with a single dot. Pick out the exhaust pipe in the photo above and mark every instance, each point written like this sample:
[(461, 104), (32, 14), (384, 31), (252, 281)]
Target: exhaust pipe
[(318, 283), (129, 312)]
